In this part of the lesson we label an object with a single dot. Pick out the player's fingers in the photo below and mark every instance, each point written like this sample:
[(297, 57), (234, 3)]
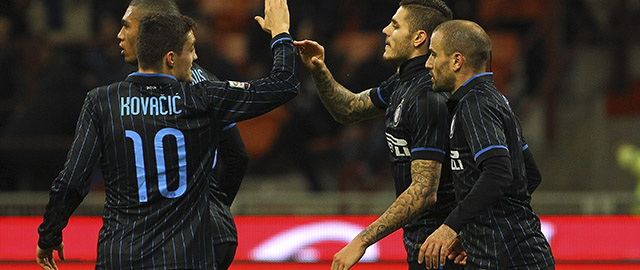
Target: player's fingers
[(61, 254), (47, 263), (316, 61), (423, 249), (427, 256), (260, 21), (433, 257), (42, 263), (443, 255)]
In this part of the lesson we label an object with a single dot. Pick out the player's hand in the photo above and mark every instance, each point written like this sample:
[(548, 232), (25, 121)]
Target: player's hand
[(457, 253), (349, 255), (276, 17), (311, 54), (44, 257), (436, 247)]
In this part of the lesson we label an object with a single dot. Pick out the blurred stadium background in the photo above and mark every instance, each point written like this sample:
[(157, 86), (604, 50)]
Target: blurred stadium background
[(571, 69)]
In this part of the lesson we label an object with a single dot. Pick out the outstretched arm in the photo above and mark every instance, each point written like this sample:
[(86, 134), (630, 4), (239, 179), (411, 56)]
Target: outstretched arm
[(421, 194), (345, 106)]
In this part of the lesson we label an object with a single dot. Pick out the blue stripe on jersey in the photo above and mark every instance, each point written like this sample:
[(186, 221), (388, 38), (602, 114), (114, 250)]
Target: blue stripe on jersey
[(525, 147), (229, 126), (380, 97), (473, 124), (152, 75), (215, 158), (428, 149), (484, 126), (279, 40), (476, 76), (489, 148)]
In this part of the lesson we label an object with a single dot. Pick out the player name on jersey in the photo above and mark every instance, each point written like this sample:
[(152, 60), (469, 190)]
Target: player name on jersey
[(162, 105)]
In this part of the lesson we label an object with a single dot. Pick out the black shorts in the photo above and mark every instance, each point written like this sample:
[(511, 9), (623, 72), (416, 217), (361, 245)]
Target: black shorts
[(225, 252)]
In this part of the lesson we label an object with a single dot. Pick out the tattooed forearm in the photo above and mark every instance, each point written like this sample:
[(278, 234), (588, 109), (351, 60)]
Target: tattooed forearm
[(345, 106), (414, 200)]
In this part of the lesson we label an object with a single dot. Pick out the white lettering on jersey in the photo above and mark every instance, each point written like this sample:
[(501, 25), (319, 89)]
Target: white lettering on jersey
[(398, 147), (456, 163), (162, 105)]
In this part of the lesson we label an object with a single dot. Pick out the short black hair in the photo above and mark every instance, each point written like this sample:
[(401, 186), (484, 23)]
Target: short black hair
[(468, 38), (159, 34), (148, 7), (426, 14)]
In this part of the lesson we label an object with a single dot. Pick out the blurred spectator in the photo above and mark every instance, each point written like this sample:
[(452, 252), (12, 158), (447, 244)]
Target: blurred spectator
[(628, 156)]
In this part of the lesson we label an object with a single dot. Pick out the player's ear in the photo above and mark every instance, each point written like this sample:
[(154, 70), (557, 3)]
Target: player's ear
[(420, 37), (457, 60), (169, 59)]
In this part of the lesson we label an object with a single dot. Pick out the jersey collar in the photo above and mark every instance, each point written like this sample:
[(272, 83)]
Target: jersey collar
[(409, 68), (151, 78), (467, 86)]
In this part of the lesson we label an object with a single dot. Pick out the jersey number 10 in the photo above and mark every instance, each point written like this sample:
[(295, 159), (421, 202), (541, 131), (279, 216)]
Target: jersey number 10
[(160, 163)]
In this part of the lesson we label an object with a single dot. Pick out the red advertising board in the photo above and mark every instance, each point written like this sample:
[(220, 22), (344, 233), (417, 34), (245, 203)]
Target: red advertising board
[(574, 239)]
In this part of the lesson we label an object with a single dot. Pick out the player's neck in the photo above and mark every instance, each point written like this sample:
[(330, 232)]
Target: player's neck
[(463, 77)]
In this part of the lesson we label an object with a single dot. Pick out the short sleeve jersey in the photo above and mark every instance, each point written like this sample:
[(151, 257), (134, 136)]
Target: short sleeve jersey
[(416, 125)]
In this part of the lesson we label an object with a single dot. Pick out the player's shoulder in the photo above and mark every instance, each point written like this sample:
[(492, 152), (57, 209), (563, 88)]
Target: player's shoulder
[(114, 86)]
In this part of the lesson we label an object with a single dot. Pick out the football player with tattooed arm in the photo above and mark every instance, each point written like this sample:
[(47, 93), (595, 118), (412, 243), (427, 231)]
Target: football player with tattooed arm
[(416, 128)]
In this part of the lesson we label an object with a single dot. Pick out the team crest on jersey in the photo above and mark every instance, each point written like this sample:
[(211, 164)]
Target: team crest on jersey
[(451, 129), (397, 115), (239, 85)]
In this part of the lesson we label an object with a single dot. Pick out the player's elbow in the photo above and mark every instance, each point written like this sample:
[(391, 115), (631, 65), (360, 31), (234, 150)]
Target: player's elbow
[(431, 199)]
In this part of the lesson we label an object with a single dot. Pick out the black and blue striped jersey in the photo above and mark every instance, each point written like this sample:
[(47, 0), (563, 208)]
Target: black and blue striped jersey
[(155, 139), (416, 127), (229, 168), (224, 184), (497, 225)]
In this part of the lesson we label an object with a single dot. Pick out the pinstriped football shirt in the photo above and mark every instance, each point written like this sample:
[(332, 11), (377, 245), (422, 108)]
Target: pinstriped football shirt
[(507, 235), (416, 127), (224, 227), (155, 139)]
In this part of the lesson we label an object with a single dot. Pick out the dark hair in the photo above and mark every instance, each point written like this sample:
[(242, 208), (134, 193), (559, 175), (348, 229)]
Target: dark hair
[(148, 7), (426, 14), (159, 34), (468, 38)]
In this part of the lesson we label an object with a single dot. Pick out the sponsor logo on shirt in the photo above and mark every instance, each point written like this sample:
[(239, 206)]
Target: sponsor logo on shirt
[(398, 147), (456, 163), (239, 85)]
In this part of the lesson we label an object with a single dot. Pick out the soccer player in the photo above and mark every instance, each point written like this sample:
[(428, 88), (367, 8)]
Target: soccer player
[(416, 129), (231, 150), (155, 135), (493, 169)]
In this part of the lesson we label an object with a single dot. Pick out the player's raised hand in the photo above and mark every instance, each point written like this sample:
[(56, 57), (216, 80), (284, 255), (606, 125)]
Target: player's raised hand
[(44, 257), (311, 54), (276, 17)]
